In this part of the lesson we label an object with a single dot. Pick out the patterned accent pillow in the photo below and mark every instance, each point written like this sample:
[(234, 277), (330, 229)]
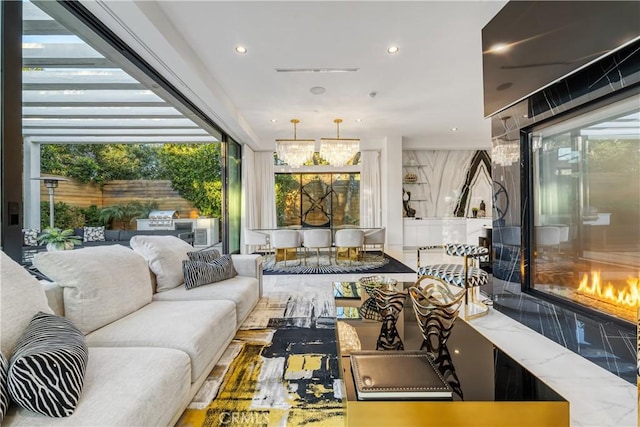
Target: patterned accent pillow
[(93, 234), (30, 236), (4, 393), (46, 372), (198, 273), (204, 256)]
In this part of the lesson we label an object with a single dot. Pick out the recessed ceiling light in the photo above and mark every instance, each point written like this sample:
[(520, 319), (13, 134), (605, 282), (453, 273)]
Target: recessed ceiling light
[(358, 120), (393, 49), (525, 116), (499, 48), (241, 49), (454, 129), (274, 120), (317, 90)]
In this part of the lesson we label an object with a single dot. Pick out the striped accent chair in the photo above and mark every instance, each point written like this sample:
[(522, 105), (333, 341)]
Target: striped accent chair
[(466, 275)]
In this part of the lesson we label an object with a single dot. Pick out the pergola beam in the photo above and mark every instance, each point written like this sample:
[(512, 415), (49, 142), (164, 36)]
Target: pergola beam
[(82, 86), (42, 27)]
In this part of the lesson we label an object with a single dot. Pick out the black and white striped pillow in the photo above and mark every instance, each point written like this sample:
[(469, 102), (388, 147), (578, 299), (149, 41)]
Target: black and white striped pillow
[(198, 273), (4, 393), (204, 256), (46, 372)]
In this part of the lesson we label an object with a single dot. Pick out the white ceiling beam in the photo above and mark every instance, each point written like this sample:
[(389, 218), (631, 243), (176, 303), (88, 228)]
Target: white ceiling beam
[(122, 96), (107, 112), (122, 140), (111, 131), (79, 76), (101, 123), (41, 27)]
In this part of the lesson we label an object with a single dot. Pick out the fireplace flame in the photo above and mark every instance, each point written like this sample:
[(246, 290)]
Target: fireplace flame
[(628, 296)]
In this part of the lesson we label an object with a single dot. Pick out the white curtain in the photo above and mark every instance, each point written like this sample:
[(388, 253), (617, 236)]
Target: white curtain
[(266, 182), (258, 184), (249, 194), (370, 206)]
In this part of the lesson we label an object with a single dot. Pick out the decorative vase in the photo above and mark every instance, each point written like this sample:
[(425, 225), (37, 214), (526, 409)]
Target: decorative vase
[(60, 246)]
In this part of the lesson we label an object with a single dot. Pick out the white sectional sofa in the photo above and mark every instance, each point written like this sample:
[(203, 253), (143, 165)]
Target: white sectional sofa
[(151, 344)]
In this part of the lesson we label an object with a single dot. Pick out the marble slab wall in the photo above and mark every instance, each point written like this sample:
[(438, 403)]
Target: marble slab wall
[(449, 182)]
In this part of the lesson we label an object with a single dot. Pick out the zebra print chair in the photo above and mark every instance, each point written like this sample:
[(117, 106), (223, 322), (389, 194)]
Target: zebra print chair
[(467, 275)]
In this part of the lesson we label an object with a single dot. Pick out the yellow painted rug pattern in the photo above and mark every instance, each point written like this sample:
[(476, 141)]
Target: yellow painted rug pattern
[(275, 382)]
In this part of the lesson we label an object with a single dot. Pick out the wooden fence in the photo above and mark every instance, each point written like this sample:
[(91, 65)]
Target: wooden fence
[(120, 192)]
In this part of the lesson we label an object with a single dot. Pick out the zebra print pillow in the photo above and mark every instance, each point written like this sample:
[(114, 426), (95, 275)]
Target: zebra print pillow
[(204, 256), (46, 372), (198, 273), (4, 393)]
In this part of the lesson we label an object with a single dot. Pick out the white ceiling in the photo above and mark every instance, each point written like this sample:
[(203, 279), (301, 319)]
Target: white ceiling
[(432, 84)]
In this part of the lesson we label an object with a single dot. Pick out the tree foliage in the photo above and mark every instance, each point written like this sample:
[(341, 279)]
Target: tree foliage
[(195, 171), (99, 163)]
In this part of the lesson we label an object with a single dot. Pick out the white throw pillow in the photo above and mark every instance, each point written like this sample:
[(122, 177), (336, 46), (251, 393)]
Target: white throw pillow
[(101, 284), (164, 254), (21, 298)]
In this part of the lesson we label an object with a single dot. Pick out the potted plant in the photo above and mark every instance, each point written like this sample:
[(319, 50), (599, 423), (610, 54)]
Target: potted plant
[(58, 240), (474, 211)]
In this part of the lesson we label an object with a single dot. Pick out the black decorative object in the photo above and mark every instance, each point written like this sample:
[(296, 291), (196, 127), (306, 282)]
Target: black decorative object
[(409, 212)]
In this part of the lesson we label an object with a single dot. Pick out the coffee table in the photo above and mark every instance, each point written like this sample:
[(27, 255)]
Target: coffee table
[(490, 388)]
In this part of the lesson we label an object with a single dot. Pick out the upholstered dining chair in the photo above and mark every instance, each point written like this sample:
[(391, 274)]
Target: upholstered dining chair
[(317, 239), (285, 243), (467, 275), (349, 239), (256, 240), (375, 238)]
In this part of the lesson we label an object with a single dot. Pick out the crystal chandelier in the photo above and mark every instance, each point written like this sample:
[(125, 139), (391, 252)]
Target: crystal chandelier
[(295, 152), (338, 151), (505, 154)]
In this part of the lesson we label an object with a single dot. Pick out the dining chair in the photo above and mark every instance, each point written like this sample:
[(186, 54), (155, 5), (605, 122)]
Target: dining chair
[(375, 238), (285, 243), (349, 240), (316, 239)]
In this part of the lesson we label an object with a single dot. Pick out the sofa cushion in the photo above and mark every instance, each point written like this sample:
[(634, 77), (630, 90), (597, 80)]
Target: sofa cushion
[(243, 291), (164, 254), (123, 387), (21, 298), (30, 236), (197, 273), (207, 255), (111, 235), (4, 393), (46, 372), (93, 234), (202, 329), (101, 284)]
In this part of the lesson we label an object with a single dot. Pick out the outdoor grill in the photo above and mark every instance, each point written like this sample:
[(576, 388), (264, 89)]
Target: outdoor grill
[(162, 219)]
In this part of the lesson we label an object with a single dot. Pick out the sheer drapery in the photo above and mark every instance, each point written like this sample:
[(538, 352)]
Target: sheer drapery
[(258, 182), (250, 214), (266, 183), (370, 207)]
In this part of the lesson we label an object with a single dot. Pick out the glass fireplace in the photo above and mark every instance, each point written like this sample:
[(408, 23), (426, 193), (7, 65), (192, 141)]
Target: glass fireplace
[(586, 209)]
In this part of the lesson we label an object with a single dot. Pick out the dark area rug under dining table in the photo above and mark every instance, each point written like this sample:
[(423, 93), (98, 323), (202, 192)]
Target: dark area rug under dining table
[(372, 264)]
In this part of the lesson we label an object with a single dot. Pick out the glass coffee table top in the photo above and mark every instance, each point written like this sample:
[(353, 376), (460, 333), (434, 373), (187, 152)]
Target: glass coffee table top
[(347, 290)]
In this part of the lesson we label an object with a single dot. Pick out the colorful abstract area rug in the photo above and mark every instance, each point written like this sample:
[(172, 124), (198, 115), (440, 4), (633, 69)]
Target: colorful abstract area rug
[(286, 372)]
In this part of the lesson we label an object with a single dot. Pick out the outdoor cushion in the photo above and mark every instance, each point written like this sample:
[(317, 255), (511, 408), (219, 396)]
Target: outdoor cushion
[(102, 283), (123, 387), (22, 297), (243, 291), (164, 255), (93, 234), (30, 236), (202, 329)]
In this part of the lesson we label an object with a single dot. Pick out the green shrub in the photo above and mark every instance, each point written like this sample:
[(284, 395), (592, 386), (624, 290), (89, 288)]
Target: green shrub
[(65, 216)]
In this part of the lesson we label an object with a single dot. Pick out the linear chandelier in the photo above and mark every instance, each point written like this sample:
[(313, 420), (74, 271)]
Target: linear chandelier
[(338, 151), (295, 152)]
